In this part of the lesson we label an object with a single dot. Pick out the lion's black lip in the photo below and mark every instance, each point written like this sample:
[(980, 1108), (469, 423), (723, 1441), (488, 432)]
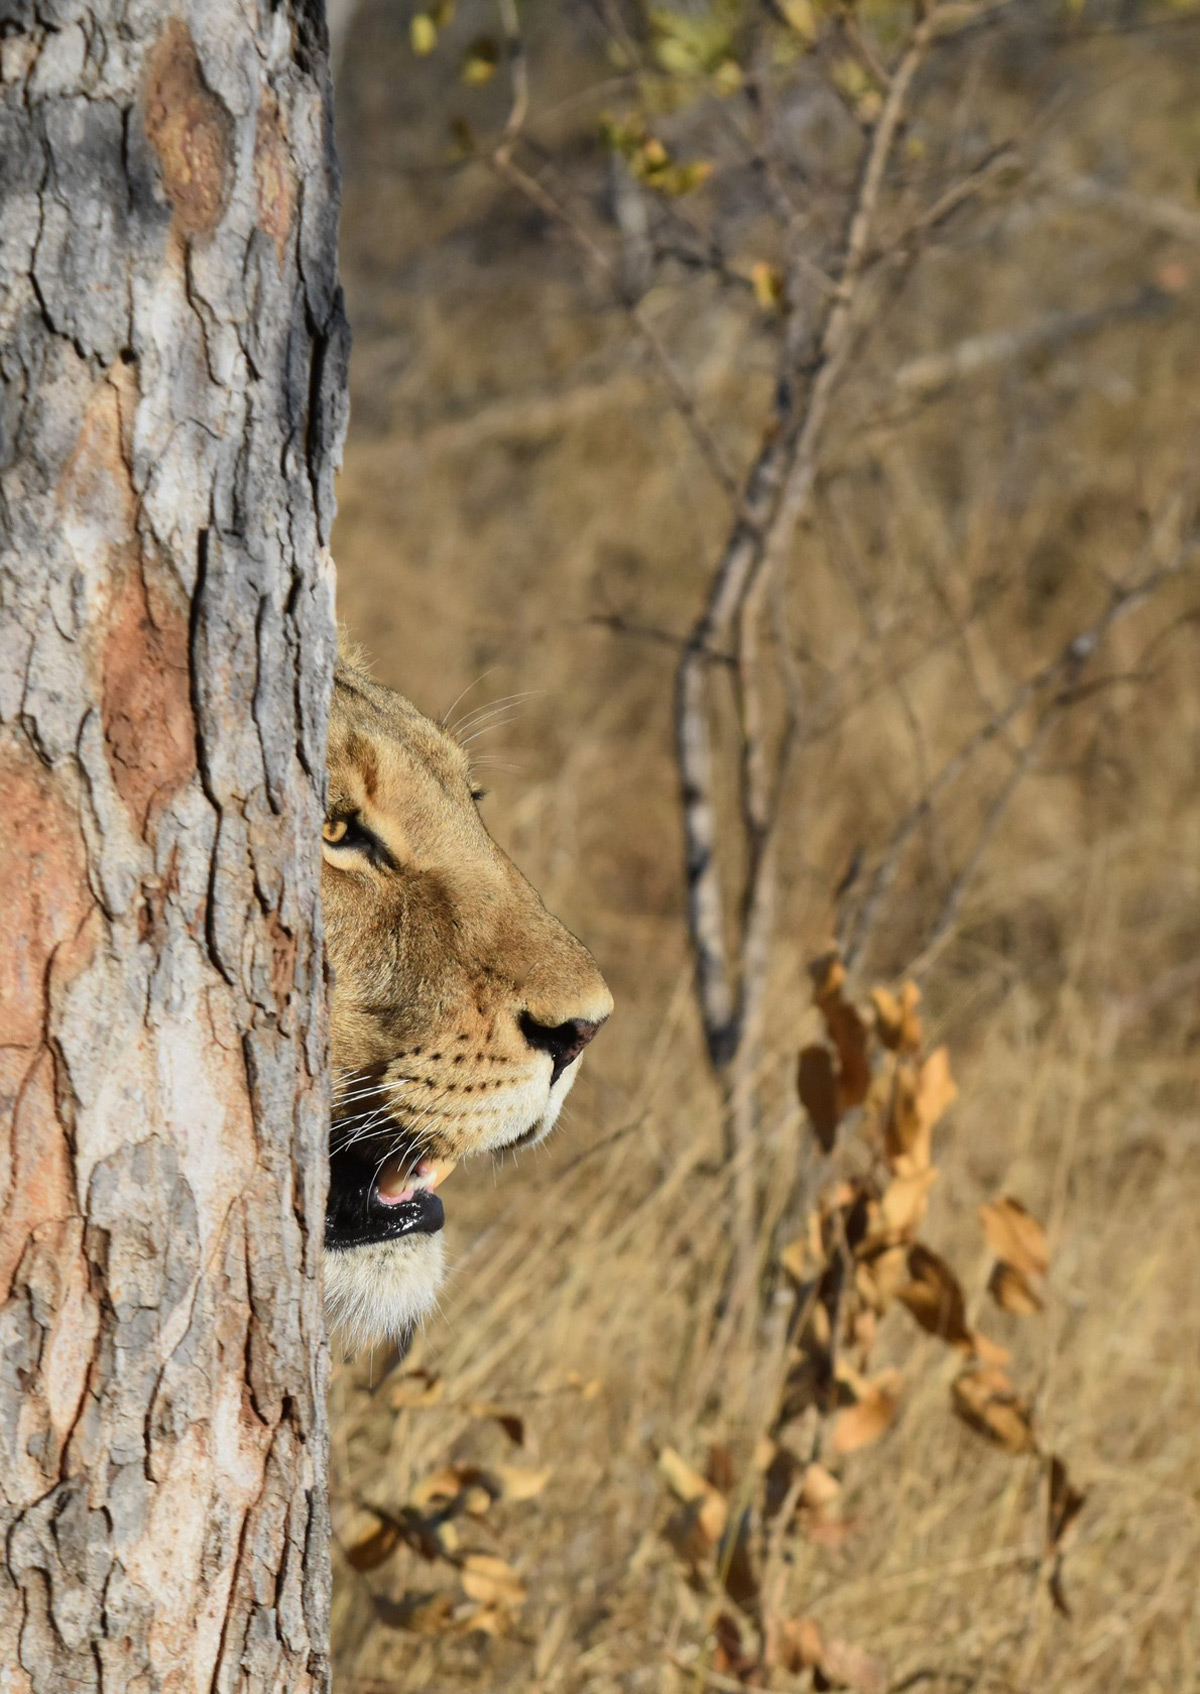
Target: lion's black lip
[(355, 1216)]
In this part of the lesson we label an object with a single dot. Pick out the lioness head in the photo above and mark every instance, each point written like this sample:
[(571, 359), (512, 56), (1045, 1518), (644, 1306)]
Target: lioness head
[(460, 1006)]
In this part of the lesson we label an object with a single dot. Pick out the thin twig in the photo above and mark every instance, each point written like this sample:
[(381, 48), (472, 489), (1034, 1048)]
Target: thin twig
[(777, 490), (1071, 658), (505, 163)]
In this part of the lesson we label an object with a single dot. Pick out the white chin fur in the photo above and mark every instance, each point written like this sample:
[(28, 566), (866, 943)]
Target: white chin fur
[(384, 1291)]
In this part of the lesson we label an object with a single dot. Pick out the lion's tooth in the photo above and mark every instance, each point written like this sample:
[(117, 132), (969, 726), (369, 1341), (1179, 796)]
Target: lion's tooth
[(432, 1172), (394, 1183)]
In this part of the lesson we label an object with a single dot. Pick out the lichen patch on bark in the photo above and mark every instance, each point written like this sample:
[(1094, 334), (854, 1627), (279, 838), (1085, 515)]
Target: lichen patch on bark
[(191, 130)]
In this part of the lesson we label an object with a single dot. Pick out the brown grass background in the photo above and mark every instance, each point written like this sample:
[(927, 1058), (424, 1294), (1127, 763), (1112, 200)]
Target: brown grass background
[(514, 477)]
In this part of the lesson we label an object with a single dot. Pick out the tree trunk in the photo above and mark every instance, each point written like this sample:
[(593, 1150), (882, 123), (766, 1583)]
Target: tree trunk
[(172, 351)]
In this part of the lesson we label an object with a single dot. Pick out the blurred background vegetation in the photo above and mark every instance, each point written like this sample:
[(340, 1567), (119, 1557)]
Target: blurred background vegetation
[(591, 249)]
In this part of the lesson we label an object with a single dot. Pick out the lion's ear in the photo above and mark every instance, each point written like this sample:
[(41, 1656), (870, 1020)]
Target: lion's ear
[(350, 654)]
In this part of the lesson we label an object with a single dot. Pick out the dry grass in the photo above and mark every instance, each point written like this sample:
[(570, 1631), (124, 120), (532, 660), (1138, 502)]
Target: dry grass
[(515, 476)]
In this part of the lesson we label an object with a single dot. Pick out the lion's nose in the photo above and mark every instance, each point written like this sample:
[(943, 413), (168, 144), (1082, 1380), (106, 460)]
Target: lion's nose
[(563, 1041)]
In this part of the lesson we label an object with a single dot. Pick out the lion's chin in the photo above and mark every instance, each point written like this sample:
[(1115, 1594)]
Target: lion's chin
[(382, 1291)]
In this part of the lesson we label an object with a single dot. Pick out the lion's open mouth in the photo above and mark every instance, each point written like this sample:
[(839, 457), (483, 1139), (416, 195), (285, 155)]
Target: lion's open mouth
[(371, 1201)]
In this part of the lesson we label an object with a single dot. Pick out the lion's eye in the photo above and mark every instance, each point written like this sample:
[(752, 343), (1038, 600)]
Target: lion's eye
[(477, 793), (348, 833)]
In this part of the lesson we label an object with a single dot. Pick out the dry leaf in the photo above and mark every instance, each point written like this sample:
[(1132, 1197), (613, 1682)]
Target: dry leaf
[(828, 975), (443, 1484), (417, 1388), (880, 1277), (491, 1620), (986, 1400), (518, 1484), (377, 1541), (767, 281), (1014, 1236), (845, 1666), (797, 1645), (1065, 1502), (934, 1296), (491, 1581), (936, 1088), (1011, 1290), (849, 1035), (989, 1352), (711, 1509), (866, 1421), (905, 1200), (420, 1614), (728, 1657), (896, 1021), (907, 1138), (798, 1261), (512, 1425), (720, 1470), (818, 1087), (819, 1489)]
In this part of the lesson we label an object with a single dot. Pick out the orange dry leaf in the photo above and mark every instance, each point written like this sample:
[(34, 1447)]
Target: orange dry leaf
[(988, 1352), (1014, 1236), (986, 1400), (858, 1425), (491, 1581), (712, 1510), (1011, 1290), (376, 1541), (904, 1201), (818, 1087), (936, 1088), (848, 1033), (420, 1614), (934, 1296), (828, 975), (797, 1645), (516, 1484), (879, 1277), (896, 1021), (906, 1139)]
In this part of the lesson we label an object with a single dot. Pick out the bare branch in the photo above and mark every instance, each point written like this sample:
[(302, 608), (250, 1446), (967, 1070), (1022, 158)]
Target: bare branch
[(1067, 662)]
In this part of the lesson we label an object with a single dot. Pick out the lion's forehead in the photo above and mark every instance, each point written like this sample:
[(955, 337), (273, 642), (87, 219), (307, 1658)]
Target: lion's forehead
[(381, 740)]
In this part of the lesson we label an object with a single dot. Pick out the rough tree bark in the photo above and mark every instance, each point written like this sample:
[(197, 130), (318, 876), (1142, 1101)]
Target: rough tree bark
[(172, 356)]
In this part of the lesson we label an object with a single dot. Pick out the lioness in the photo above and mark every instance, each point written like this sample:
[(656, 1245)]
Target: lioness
[(460, 1006)]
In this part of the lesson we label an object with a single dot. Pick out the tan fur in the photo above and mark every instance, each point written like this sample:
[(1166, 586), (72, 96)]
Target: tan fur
[(436, 961)]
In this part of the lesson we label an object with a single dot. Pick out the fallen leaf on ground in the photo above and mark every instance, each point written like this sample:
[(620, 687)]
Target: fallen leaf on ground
[(420, 1614), (516, 1484), (687, 1484), (491, 1580), (375, 1541)]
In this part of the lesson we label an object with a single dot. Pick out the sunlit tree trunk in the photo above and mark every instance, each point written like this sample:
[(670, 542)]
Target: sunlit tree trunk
[(173, 361)]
